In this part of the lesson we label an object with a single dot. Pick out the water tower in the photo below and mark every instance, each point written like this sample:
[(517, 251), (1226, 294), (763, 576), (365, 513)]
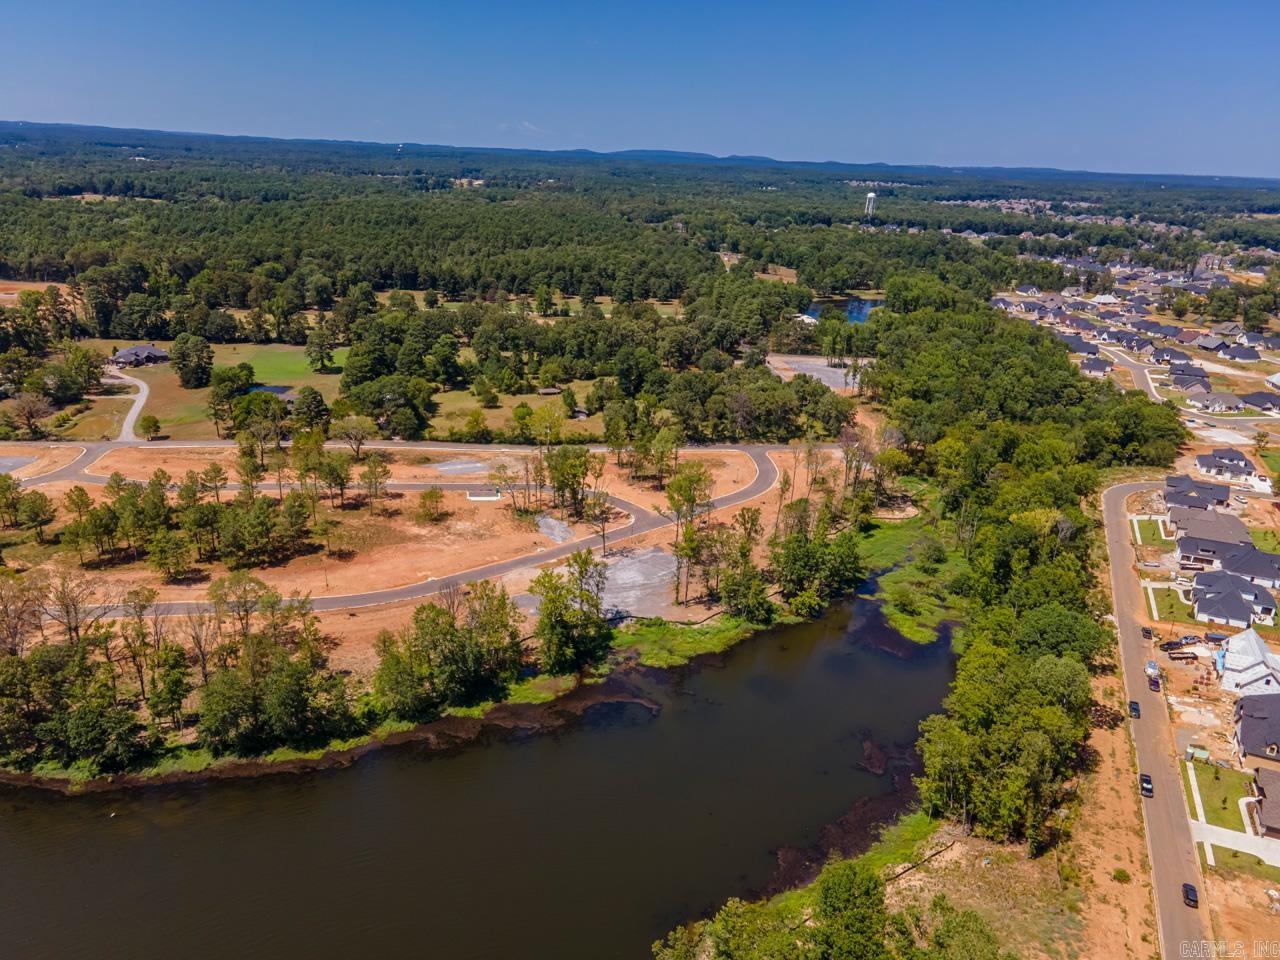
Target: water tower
[(871, 204)]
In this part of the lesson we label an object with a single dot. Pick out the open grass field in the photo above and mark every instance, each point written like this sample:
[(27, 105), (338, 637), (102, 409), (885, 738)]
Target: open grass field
[(183, 413), (101, 421), (454, 406)]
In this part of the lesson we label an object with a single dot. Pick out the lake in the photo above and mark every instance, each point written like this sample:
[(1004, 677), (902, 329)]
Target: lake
[(586, 843)]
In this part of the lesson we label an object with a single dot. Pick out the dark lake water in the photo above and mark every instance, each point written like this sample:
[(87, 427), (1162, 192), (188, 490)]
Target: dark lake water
[(588, 843), (856, 309)]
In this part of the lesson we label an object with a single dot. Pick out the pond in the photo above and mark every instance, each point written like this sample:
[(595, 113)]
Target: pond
[(586, 843), (857, 309)]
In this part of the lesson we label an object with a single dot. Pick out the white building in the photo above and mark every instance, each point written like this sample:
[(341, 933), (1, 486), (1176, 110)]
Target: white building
[(1247, 666)]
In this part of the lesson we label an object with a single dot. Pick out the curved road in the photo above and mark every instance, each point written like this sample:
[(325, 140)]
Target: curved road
[(643, 520), (127, 433), (1172, 851)]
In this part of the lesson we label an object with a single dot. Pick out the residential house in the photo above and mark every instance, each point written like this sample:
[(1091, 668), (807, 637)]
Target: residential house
[(1187, 336), (1204, 524), (1219, 597), (1248, 339), (1246, 666), (1029, 290), (1168, 355), (1209, 341), (1239, 354), (1190, 385), (1216, 403), (1095, 367), (1183, 491), (1262, 400), (139, 356), (1266, 786), (1230, 328), (1078, 344), (1257, 719), (1106, 299), (1227, 463)]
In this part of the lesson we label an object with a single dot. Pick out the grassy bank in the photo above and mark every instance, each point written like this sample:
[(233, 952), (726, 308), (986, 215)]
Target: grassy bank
[(915, 569)]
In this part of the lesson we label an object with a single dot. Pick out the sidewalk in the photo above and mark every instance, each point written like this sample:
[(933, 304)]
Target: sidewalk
[(1264, 848)]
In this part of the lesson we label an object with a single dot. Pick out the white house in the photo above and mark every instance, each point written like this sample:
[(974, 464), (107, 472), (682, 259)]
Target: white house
[(1229, 464), (1247, 666)]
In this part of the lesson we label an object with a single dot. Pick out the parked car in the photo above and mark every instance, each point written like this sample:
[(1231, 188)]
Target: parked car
[(1145, 786), (1135, 710), (1190, 638), (1153, 683), (1152, 669), (1151, 564), (1169, 645), (1147, 634), (1190, 897), (1239, 499)]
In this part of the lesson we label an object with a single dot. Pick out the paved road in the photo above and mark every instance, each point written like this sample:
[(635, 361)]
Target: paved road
[(1170, 846), (642, 520)]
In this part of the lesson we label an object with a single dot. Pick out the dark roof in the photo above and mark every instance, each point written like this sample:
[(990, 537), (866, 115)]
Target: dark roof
[(1239, 353), (1260, 399), (1184, 491), (1224, 596), (142, 351), (1258, 724)]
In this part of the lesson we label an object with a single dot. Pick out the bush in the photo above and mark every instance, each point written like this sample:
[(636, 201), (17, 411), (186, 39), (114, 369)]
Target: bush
[(1120, 875)]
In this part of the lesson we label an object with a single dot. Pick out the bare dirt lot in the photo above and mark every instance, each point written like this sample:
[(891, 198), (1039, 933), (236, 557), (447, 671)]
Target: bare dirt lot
[(33, 460), (369, 553)]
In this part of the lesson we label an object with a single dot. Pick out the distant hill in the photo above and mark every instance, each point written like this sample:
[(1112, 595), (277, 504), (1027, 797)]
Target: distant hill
[(107, 141)]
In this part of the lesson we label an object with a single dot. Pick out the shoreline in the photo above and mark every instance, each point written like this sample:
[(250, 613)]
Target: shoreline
[(441, 735), (458, 730)]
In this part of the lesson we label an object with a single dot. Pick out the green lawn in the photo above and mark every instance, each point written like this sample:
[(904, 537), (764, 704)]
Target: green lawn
[(1265, 539), (1220, 792), (454, 406), (1149, 535), (1233, 861), (1170, 607), (184, 413), (1186, 789)]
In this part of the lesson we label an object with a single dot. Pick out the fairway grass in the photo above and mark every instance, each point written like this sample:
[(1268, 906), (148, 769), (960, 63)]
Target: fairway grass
[(184, 414)]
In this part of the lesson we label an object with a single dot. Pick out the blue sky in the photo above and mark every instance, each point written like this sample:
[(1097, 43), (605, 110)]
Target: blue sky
[(1127, 86)]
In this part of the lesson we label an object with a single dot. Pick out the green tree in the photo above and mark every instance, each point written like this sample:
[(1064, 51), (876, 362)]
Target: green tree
[(149, 425), (192, 359), (374, 479), (169, 554), (36, 511), (430, 505), (572, 630)]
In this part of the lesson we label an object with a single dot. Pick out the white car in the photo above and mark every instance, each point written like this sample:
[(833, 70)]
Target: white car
[(1239, 499)]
